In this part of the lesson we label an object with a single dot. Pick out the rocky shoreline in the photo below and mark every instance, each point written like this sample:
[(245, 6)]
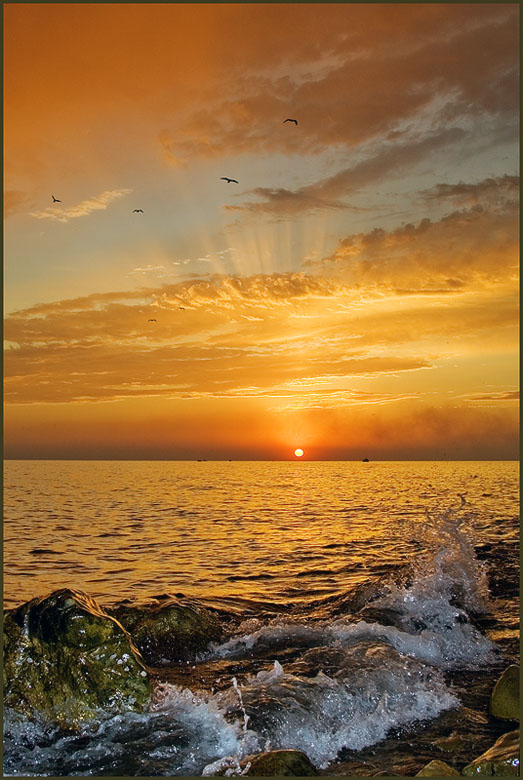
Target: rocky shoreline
[(66, 658)]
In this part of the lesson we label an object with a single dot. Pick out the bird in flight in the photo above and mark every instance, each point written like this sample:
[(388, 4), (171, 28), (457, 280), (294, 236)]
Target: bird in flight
[(55, 200), (152, 320), (225, 178), (137, 211), (290, 120), (182, 308)]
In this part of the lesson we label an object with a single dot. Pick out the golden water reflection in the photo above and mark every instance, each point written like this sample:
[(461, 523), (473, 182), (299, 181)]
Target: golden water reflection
[(271, 531)]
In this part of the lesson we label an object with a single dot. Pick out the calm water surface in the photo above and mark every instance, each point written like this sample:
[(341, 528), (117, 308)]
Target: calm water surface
[(273, 531)]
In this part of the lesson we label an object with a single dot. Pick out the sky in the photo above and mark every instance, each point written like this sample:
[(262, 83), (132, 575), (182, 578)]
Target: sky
[(354, 294)]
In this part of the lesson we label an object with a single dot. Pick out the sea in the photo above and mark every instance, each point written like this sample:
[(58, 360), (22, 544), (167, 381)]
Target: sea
[(369, 607)]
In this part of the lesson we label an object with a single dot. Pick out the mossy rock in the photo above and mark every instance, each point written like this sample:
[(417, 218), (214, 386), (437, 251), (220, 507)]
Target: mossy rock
[(504, 702), (278, 763), (438, 769), (65, 658), (169, 630), (502, 758), (273, 763)]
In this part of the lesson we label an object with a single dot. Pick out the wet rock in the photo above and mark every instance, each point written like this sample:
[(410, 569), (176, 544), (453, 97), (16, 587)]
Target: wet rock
[(350, 768), (169, 630), (502, 758), (360, 596), (385, 773), (438, 769), (276, 763), (387, 616), (504, 702), (65, 658), (450, 744)]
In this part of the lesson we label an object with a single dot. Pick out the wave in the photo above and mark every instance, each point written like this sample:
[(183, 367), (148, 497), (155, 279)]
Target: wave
[(342, 680), (374, 689)]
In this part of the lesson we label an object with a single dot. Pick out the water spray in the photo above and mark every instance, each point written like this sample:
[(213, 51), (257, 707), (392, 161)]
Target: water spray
[(245, 716)]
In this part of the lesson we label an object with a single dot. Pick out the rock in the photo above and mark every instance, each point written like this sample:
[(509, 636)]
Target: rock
[(385, 773), (274, 763), (386, 616), (169, 630), (277, 763), (504, 702), (450, 744), (66, 658), (438, 769), (502, 758)]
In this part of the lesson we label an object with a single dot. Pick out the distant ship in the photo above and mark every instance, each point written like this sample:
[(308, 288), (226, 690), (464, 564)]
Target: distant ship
[(365, 460)]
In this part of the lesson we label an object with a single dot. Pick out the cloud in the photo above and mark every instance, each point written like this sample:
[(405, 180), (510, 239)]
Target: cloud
[(446, 65), (504, 395), (419, 430), (387, 159), (146, 270), (64, 214), (95, 301), (495, 191), (471, 248), (289, 399), (269, 337), (283, 202)]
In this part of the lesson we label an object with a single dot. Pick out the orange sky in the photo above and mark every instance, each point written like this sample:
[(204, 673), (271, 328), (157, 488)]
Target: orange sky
[(355, 294)]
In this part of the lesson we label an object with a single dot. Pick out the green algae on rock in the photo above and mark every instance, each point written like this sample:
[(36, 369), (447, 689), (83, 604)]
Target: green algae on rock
[(504, 702), (500, 760), (65, 658), (169, 630), (278, 763), (272, 763), (438, 769)]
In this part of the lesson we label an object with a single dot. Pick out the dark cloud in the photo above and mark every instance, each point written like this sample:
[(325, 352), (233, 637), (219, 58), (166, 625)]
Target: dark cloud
[(463, 58), (388, 159), (424, 431), (494, 190)]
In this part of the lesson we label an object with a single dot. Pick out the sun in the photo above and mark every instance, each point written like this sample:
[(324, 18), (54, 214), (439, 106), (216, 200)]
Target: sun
[(298, 452)]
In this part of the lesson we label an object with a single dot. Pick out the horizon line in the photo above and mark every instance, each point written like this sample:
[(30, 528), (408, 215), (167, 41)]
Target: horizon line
[(275, 460)]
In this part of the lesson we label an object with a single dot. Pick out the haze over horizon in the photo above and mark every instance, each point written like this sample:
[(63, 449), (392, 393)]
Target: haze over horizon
[(355, 294)]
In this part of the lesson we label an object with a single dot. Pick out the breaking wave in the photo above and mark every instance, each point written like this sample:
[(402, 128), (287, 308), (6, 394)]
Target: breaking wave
[(340, 682)]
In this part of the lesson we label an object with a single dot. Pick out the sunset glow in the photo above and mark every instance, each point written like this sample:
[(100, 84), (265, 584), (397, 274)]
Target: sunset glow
[(357, 286), (232, 229)]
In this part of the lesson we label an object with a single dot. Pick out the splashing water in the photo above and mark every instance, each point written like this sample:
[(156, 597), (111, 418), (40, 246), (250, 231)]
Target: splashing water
[(349, 680), (245, 716), (428, 616), (375, 689), (451, 568)]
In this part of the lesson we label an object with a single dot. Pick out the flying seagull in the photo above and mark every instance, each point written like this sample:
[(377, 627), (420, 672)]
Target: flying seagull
[(290, 120), (55, 200), (225, 178), (137, 211), (152, 320)]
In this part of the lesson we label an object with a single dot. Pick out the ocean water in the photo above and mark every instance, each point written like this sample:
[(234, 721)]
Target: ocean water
[(369, 606)]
